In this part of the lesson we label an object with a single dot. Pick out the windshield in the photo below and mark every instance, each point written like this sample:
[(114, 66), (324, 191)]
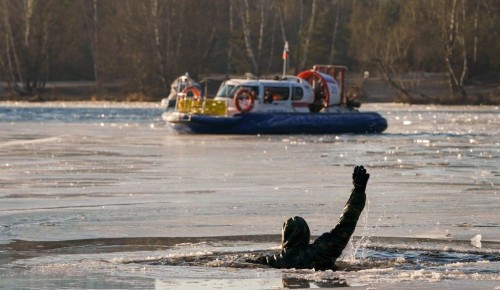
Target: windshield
[(225, 91), (228, 91)]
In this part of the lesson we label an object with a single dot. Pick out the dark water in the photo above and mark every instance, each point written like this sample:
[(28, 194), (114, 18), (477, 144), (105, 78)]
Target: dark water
[(100, 196), (79, 114)]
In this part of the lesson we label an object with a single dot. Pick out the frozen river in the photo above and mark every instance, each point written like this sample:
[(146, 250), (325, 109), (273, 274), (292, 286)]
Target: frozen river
[(101, 195)]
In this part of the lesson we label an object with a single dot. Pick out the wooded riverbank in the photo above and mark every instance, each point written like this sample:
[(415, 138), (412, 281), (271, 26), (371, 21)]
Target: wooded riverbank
[(133, 49), (432, 87)]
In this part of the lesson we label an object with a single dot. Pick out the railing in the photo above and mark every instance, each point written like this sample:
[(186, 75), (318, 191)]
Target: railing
[(200, 106)]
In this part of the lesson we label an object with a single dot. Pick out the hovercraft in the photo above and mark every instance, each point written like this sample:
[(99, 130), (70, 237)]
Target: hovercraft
[(313, 102)]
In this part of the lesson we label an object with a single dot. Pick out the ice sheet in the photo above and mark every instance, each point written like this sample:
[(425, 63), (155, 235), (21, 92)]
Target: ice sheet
[(98, 171)]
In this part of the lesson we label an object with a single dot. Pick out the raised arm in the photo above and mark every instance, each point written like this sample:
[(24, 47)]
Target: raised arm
[(332, 243)]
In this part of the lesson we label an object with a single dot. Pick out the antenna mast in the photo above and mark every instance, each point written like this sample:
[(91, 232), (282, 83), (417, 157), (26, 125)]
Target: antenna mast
[(285, 58)]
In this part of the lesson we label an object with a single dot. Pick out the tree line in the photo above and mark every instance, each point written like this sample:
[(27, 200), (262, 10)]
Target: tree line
[(144, 44)]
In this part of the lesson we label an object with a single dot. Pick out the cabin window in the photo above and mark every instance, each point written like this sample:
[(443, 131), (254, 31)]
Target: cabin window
[(254, 89), (225, 91), (298, 93), (276, 94), (228, 91)]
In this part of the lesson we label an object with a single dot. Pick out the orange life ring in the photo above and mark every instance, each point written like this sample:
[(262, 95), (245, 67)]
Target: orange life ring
[(249, 102), (196, 93)]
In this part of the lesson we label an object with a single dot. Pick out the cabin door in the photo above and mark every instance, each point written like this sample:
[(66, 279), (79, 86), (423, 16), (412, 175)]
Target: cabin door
[(277, 99)]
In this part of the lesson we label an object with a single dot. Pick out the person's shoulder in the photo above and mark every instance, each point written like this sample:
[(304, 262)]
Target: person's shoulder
[(325, 237)]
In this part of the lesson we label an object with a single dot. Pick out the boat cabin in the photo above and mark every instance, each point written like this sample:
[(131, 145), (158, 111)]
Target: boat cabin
[(312, 91), (259, 95), (289, 94)]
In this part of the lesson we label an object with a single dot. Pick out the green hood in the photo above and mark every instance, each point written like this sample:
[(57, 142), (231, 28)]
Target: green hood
[(295, 233)]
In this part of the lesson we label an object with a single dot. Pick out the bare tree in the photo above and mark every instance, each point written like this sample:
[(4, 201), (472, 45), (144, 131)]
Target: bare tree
[(158, 48), (334, 34), (90, 11), (382, 39), (26, 56), (230, 42), (453, 35), (11, 62), (307, 35), (245, 23)]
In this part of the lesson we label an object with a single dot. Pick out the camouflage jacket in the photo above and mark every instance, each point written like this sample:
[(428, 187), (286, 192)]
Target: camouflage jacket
[(323, 252)]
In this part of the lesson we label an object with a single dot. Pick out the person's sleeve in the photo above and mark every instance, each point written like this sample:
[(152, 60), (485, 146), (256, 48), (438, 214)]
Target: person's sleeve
[(275, 261), (332, 243)]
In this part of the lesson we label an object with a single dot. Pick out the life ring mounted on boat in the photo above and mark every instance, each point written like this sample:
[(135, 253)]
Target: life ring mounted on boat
[(195, 91), (244, 100), (320, 88)]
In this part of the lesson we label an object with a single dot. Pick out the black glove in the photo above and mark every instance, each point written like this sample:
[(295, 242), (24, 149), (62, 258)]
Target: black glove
[(259, 260), (360, 178)]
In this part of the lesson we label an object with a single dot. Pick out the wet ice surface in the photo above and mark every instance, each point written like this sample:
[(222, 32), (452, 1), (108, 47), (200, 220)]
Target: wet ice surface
[(104, 195)]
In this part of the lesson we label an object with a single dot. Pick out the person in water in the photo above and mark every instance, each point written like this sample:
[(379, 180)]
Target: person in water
[(323, 252)]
